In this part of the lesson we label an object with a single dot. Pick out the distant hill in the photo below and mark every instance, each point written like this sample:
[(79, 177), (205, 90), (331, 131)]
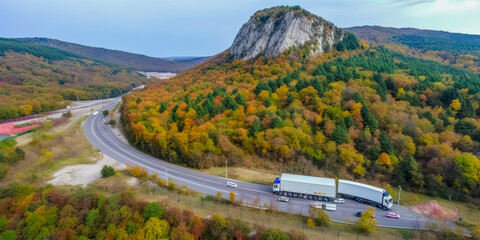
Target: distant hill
[(453, 49), (36, 78), (124, 59), (420, 39)]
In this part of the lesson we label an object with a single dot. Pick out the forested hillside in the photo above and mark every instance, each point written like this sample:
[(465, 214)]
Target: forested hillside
[(137, 62), (370, 114), (35, 79), (454, 49)]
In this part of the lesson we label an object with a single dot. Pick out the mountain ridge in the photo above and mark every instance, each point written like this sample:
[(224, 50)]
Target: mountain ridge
[(413, 37), (124, 59)]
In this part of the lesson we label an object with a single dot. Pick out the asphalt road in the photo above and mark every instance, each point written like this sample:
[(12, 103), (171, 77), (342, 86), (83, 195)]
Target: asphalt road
[(102, 137)]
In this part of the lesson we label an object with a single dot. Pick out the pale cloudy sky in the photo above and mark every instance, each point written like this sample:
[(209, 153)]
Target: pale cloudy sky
[(164, 28)]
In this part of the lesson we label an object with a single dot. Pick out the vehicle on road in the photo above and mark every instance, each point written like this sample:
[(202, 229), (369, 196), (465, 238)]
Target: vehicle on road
[(326, 189), (364, 193), (306, 187), (324, 206), (339, 201), (359, 214), (231, 184), (95, 113), (283, 199), (393, 215), (316, 205), (330, 207)]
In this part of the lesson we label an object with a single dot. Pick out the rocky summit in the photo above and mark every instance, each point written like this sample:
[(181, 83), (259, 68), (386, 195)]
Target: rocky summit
[(270, 31)]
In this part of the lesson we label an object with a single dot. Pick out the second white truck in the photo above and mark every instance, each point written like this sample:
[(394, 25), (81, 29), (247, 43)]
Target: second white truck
[(365, 193)]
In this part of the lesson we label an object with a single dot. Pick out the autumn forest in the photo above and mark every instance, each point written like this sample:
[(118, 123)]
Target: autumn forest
[(367, 112)]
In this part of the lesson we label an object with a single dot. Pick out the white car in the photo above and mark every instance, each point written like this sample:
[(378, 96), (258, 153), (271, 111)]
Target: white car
[(231, 184), (339, 201), (283, 199)]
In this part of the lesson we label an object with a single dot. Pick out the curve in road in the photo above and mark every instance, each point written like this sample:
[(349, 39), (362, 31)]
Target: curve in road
[(103, 138)]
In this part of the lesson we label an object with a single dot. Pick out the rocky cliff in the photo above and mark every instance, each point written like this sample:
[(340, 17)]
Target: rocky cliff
[(271, 31)]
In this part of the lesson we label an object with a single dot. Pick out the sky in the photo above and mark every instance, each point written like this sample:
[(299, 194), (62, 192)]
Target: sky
[(167, 28)]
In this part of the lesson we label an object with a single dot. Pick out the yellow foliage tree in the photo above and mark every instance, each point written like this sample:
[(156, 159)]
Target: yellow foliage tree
[(384, 160), (310, 223), (366, 224), (455, 105), (263, 95), (232, 196), (26, 109)]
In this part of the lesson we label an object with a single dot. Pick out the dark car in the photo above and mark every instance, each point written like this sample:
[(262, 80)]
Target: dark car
[(359, 214)]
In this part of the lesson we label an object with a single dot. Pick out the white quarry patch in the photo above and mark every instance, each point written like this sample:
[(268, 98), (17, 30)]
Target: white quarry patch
[(83, 174), (133, 181)]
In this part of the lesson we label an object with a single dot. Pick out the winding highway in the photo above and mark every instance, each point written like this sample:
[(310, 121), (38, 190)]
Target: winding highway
[(102, 137)]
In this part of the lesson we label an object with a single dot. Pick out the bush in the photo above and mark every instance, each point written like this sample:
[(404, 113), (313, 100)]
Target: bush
[(323, 219), (275, 235), (105, 113), (139, 172), (310, 223), (107, 171), (476, 232), (153, 209), (112, 122), (366, 224)]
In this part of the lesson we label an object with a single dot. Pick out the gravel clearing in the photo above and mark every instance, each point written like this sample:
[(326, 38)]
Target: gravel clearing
[(83, 174), (433, 210)]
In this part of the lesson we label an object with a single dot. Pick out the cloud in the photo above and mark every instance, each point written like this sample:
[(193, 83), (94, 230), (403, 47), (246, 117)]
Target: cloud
[(409, 3)]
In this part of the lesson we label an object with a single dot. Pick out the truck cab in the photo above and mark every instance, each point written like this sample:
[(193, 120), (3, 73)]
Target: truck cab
[(387, 200), (276, 185)]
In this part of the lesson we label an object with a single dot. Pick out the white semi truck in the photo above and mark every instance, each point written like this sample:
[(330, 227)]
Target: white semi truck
[(325, 189), (365, 193), (306, 187)]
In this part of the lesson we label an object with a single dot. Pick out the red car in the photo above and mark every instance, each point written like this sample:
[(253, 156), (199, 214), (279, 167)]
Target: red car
[(393, 215)]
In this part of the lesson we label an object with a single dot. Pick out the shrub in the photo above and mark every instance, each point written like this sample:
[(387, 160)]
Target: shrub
[(323, 219), (275, 235), (476, 232), (105, 113), (366, 224), (310, 223), (137, 171), (112, 122), (107, 171), (153, 210)]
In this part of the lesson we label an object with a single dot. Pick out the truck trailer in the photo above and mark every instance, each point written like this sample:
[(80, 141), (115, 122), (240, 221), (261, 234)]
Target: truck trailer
[(306, 187), (365, 193)]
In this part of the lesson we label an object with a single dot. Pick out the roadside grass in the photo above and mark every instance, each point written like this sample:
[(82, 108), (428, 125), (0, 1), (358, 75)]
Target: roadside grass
[(259, 176), (48, 151)]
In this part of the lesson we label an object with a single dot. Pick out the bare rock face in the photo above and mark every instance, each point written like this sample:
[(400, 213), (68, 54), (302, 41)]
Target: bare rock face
[(271, 31)]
